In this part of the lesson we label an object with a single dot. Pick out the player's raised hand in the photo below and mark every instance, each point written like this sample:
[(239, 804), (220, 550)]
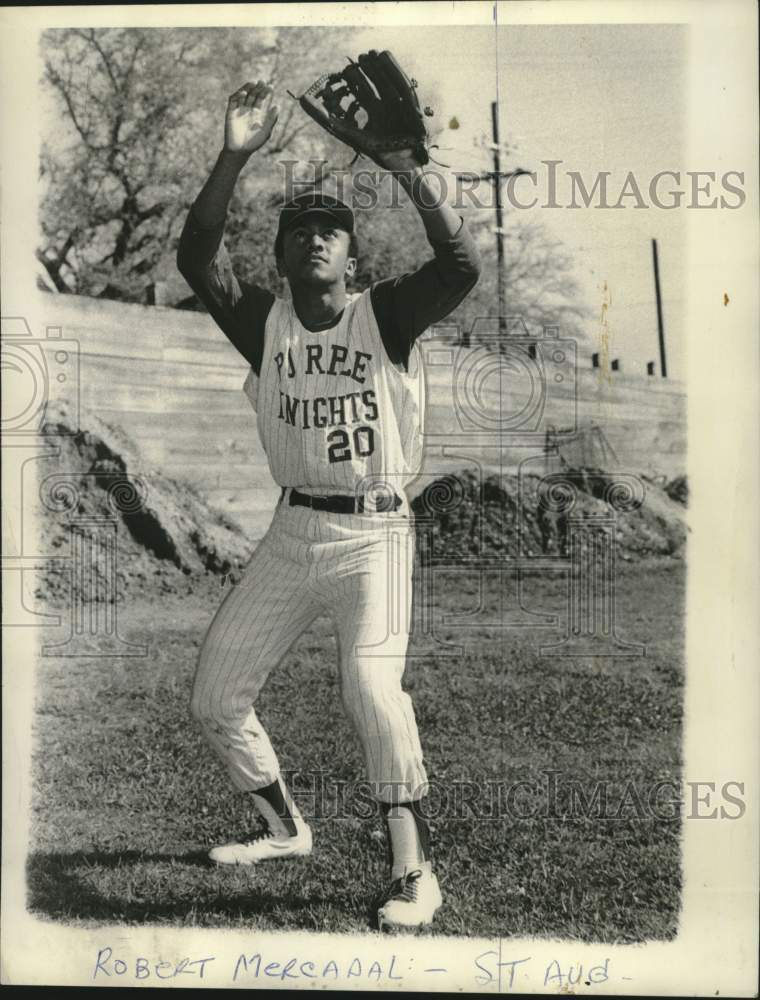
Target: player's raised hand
[(248, 123)]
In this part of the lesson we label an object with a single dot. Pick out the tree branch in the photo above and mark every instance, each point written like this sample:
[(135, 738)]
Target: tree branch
[(57, 82), (284, 141), (91, 37), (139, 44), (53, 268), (150, 213)]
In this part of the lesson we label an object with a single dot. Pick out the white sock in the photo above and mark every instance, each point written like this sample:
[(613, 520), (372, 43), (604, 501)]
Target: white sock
[(406, 849)]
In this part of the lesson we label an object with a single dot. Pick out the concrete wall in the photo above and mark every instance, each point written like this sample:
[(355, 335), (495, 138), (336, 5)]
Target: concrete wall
[(173, 382)]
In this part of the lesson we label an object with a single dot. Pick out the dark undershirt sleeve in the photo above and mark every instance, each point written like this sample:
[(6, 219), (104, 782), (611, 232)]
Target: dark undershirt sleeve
[(239, 308), (407, 305)]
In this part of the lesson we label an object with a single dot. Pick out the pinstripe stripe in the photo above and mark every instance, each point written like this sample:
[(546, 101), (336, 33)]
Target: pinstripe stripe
[(299, 457), (322, 563), (349, 567)]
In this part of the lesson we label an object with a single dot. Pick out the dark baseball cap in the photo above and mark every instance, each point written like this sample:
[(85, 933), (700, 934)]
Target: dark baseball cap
[(314, 201)]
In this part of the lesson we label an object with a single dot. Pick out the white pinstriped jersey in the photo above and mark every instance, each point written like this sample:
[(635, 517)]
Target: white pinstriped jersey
[(332, 409)]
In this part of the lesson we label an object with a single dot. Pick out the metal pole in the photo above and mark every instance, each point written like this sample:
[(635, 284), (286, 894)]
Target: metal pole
[(660, 325), (499, 219)]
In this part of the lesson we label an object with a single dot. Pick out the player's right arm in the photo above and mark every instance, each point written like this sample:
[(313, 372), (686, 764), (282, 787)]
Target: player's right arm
[(239, 309)]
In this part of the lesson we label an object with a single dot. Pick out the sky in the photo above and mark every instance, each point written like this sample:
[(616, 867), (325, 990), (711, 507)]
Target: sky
[(597, 98)]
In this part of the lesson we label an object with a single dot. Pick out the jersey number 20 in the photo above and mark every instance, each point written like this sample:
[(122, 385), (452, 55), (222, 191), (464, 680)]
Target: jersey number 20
[(340, 447)]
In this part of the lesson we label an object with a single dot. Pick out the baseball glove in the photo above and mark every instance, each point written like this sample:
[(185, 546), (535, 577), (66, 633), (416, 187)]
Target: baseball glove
[(371, 107)]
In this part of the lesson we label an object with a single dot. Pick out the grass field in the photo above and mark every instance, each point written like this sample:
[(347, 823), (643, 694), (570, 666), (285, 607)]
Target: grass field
[(128, 798)]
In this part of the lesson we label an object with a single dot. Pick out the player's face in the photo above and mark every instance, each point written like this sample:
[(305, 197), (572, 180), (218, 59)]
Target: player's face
[(316, 252)]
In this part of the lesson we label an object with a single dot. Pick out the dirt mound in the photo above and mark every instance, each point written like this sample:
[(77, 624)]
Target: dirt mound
[(123, 526), (509, 517)]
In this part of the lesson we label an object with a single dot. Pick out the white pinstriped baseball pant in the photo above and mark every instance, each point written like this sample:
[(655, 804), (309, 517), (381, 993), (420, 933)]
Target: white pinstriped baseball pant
[(357, 570)]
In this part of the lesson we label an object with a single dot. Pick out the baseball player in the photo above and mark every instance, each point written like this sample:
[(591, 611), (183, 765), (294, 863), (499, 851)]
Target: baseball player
[(335, 382)]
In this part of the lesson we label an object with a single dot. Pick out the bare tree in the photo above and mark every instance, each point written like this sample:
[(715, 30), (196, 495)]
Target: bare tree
[(134, 122), (109, 184), (540, 282), (134, 115)]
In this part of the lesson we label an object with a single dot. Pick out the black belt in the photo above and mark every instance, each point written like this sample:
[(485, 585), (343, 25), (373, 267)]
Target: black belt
[(343, 504)]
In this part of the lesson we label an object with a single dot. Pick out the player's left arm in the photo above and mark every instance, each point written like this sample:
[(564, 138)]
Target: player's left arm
[(440, 220), (407, 305)]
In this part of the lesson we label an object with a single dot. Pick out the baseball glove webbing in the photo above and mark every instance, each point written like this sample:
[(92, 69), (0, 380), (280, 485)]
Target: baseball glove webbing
[(371, 106)]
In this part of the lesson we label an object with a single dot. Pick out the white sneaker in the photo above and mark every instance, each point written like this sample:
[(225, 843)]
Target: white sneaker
[(266, 847), (411, 901)]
